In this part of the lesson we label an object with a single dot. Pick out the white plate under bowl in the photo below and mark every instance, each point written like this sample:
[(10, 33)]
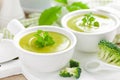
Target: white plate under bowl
[(42, 76), (7, 50), (53, 76)]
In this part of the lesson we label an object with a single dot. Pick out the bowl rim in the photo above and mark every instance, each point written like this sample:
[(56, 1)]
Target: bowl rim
[(71, 14), (67, 33)]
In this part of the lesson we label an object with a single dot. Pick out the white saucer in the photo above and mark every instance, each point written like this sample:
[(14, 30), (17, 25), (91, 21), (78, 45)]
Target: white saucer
[(43, 76), (53, 76)]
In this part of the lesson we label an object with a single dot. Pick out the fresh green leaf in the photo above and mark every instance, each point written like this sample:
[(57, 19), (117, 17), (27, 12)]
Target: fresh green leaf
[(84, 21), (62, 1), (91, 19), (88, 15), (96, 24), (50, 15), (43, 39), (76, 6)]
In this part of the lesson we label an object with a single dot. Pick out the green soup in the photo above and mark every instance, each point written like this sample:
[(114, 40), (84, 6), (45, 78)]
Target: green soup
[(105, 23), (62, 42)]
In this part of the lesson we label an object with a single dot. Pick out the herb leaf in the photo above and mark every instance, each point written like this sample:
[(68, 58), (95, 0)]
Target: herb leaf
[(49, 16), (96, 24), (62, 1), (43, 39), (76, 6), (89, 21)]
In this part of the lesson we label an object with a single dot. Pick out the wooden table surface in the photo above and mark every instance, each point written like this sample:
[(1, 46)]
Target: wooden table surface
[(16, 77)]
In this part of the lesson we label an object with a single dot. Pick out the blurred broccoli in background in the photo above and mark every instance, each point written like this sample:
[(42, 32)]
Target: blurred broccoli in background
[(73, 71), (109, 52)]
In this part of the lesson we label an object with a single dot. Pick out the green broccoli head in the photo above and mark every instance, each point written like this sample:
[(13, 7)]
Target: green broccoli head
[(109, 52), (68, 72), (64, 73), (74, 63)]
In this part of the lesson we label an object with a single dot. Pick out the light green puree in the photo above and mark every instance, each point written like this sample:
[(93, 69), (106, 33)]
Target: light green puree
[(27, 42), (72, 21)]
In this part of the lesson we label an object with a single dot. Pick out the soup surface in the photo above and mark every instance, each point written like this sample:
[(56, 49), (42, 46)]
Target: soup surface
[(62, 42), (104, 21)]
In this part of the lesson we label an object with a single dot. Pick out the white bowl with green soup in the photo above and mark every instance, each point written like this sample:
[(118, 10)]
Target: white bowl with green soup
[(90, 26), (43, 48)]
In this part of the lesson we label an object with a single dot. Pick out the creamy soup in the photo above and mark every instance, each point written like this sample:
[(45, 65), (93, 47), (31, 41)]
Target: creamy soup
[(62, 42), (104, 21)]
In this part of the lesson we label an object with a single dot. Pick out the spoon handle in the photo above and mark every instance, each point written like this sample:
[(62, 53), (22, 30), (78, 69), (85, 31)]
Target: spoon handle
[(97, 65)]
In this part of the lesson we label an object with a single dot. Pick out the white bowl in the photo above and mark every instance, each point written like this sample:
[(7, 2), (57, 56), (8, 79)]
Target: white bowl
[(35, 5), (88, 42), (45, 62)]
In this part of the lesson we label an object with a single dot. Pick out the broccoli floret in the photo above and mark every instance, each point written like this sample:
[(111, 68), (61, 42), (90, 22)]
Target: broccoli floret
[(69, 72), (109, 52), (73, 70), (74, 63), (64, 73)]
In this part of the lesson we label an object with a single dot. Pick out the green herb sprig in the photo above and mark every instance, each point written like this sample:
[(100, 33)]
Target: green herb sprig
[(77, 6), (43, 39), (89, 21), (62, 1), (51, 15)]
